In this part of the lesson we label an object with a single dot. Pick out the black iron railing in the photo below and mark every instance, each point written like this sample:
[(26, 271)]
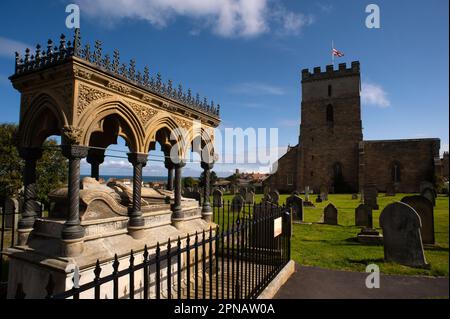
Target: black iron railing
[(235, 260)]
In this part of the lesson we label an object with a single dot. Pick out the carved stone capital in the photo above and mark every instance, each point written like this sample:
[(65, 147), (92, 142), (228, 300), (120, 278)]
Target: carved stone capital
[(96, 156), (74, 151), (71, 135), (207, 166), (179, 165), (137, 158)]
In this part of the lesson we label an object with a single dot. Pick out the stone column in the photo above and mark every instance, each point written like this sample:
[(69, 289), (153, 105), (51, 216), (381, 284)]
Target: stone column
[(136, 221), (25, 225), (95, 157), (176, 207), (170, 170), (73, 233), (206, 209)]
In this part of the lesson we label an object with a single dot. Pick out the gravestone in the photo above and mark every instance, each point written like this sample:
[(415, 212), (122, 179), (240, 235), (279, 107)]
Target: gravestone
[(402, 238), (390, 189), (217, 198), (429, 194), (250, 197), (424, 208), (296, 204), (12, 212), (324, 193), (194, 195), (237, 203), (275, 196), (307, 190), (243, 192), (233, 189), (266, 190), (267, 199), (319, 199), (363, 216), (370, 196), (354, 196), (424, 185), (330, 215)]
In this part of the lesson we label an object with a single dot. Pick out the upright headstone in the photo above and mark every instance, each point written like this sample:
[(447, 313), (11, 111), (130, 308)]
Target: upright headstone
[(429, 194), (296, 204), (275, 196), (363, 216), (324, 193), (233, 189), (424, 185), (370, 196), (307, 191), (237, 203), (250, 197), (243, 192), (217, 198), (12, 211), (330, 215), (424, 208), (319, 199), (390, 189), (402, 239)]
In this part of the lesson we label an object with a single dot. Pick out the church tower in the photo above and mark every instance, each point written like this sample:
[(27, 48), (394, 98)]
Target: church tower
[(330, 129)]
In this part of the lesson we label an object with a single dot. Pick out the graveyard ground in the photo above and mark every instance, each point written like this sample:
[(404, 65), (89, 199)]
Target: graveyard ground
[(335, 247)]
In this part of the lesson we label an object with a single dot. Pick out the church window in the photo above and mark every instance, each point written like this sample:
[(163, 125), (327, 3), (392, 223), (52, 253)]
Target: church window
[(396, 172), (329, 90)]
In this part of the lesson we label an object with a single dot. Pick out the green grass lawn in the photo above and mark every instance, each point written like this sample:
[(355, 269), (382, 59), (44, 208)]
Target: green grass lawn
[(335, 247)]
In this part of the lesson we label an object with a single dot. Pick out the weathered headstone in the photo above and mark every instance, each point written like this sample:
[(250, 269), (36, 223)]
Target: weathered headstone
[(363, 216), (402, 239), (370, 196), (194, 195), (424, 185), (390, 189), (217, 198), (296, 204), (307, 191), (237, 203), (250, 197), (243, 192), (12, 211), (354, 196), (330, 215), (424, 208), (429, 194), (324, 193), (319, 199), (275, 196)]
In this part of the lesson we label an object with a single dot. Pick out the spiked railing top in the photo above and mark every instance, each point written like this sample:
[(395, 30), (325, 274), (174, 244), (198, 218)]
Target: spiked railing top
[(54, 54)]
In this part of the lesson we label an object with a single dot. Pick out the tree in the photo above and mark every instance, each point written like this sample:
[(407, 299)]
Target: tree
[(51, 169), (189, 182), (212, 179)]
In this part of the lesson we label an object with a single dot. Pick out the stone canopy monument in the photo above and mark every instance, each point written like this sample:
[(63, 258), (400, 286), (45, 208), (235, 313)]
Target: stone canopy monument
[(89, 99)]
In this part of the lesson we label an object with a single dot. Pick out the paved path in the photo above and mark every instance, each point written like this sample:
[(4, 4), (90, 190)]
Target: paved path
[(319, 283)]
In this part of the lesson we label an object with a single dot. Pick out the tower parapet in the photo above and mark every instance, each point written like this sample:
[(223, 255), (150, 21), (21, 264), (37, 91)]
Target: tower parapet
[(330, 72)]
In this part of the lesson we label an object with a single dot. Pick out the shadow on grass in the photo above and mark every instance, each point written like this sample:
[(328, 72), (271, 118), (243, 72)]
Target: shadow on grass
[(365, 261)]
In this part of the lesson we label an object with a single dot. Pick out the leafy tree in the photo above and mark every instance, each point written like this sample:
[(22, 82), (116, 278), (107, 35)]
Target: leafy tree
[(51, 169), (212, 178), (189, 182)]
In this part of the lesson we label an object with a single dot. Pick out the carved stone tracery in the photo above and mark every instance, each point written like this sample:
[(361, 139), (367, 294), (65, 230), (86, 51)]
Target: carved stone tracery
[(87, 95)]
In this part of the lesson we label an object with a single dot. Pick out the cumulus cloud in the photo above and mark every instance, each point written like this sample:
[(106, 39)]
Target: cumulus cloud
[(227, 18), (8, 47), (374, 94)]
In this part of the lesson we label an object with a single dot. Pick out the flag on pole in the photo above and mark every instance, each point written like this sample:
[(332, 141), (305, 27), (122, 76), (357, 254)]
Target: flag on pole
[(337, 53)]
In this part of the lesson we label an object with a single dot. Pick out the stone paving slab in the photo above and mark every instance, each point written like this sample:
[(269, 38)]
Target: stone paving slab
[(319, 283)]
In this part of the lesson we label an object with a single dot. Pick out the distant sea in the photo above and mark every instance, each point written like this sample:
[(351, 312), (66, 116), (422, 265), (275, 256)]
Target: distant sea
[(145, 179)]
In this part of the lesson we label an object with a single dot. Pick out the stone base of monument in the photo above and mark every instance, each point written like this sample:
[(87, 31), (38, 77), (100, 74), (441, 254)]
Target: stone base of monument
[(370, 236), (45, 252)]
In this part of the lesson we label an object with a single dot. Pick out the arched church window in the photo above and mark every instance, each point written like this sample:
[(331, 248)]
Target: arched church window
[(396, 172), (337, 171), (330, 113), (330, 90)]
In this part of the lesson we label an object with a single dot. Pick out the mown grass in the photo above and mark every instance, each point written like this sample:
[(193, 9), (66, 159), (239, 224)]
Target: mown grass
[(335, 247)]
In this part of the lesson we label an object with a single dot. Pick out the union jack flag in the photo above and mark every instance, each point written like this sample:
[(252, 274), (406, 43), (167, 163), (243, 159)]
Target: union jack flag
[(338, 53)]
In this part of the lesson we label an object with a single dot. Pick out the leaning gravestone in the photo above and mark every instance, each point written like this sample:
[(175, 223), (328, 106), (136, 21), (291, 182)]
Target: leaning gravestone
[(402, 239), (217, 198), (250, 197), (237, 203), (296, 204), (12, 209), (370, 196), (330, 215), (424, 208), (275, 196), (429, 194), (363, 216)]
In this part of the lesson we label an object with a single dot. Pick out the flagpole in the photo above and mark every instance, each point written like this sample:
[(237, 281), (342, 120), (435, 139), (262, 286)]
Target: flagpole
[(332, 53)]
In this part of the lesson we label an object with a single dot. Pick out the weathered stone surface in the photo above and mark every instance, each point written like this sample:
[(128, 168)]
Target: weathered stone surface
[(243, 191), (401, 231), (12, 212), (429, 194), (217, 198), (237, 203), (250, 197), (324, 193), (318, 199), (363, 215), (330, 215), (296, 204), (424, 208), (275, 196), (370, 196)]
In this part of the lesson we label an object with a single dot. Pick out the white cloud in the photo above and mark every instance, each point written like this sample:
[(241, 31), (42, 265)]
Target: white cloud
[(444, 148), (374, 94), (256, 88), (8, 47), (227, 18)]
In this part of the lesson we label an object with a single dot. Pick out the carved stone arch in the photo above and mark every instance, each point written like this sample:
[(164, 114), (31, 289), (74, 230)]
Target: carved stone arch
[(165, 122), (43, 118), (130, 127), (207, 140)]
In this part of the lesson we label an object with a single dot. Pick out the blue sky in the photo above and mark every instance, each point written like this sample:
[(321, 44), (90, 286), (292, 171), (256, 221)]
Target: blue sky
[(248, 55)]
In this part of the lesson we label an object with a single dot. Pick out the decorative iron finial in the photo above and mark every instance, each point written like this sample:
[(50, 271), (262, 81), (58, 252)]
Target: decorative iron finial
[(116, 61), (38, 52), (27, 55), (98, 53), (106, 63), (123, 70), (146, 77), (87, 52), (132, 70), (180, 91), (77, 43), (189, 95), (49, 47), (62, 42), (169, 87), (158, 81)]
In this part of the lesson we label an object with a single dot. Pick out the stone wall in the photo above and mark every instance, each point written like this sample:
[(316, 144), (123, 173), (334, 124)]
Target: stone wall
[(284, 180), (415, 158), (445, 166)]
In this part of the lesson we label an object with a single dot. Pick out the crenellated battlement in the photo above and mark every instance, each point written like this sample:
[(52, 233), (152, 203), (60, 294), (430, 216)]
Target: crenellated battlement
[(330, 72)]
